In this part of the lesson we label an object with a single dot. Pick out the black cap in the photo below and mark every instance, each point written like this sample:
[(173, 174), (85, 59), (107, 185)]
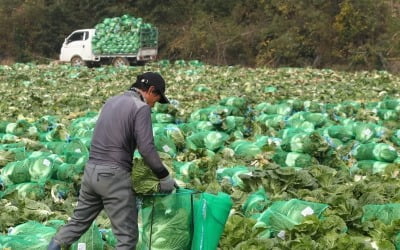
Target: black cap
[(156, 80)]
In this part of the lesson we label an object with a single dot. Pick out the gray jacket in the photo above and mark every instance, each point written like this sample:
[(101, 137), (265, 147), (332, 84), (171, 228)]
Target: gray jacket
[(124, 124)]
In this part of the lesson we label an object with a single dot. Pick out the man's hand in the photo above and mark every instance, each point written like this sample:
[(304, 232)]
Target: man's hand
[(167, 184)]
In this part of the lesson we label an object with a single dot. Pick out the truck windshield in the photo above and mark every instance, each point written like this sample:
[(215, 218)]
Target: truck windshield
[(77, 36)]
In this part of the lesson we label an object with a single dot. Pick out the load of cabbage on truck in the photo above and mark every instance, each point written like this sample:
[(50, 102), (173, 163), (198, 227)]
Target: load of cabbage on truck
[(124, 40)]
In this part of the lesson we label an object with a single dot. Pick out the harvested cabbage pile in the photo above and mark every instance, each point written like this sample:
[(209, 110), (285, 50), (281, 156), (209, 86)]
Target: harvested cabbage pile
[(264, 136), (125, 34)]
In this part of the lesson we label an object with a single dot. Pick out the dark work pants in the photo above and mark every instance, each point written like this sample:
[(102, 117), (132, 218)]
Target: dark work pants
[(108, 187)]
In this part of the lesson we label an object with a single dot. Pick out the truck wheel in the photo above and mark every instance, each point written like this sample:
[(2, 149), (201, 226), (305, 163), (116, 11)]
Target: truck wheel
[(120, 61), (77, 61)]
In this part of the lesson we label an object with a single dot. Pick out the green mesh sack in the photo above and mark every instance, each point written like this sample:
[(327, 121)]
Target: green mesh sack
[(109, 237), (31, 242), (30, 190), (69, 172), (364, 132), (266, 108), (300, 143), (232, 174), (308, 143), (273, 121), (215, 140), (22, 128), (317, 119), (34, 228), (388, 114), (16, 172), (215, 113), (369, 166), (204, 126), (58, 133), (174, 133), (211, 140), (165, 144), (74, 150), (41, 167), (232, 123), (375, 151), (12, 152), (238, 102), (211, 212), (255, 203), (393, 104), (396, 137), (6, 157), (8, 138), (162, 118), (245, 149), (289, 132), (343, 133), (284, 215), (387, 213), (90, 240), (315, 107), (56, 147), (45, 123), (293, 159), (166, 221), (184, 170), (202, 114)]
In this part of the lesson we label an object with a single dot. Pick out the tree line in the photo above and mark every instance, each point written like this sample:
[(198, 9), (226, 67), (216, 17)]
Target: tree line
[(341, 34)]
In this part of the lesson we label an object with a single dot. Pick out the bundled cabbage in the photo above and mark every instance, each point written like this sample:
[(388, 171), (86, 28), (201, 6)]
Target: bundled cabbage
[(144, 180)]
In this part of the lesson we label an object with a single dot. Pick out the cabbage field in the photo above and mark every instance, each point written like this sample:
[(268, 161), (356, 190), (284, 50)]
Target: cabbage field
[(309, 157)]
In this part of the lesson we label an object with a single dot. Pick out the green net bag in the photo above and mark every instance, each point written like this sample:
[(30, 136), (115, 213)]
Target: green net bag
[(293, 159), (34, 228), (69, 172), (30, 242), (387, 213), (238, 102), (255, 203), (232, 174), (74, 150), (22, 128), (245, 149), (166, 221), (30, 190), (210, 215), (90, 240), (15, 172), (343, 133), (375, 151), (396, 137), (284, 215), (369, 166), (274, 121), (41, 167), (212, 140)]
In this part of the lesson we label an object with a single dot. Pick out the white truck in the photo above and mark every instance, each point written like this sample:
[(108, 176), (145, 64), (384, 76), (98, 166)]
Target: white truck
[(78, 50)]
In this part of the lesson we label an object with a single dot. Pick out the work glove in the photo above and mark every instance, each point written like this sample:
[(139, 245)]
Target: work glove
[(167, 184)]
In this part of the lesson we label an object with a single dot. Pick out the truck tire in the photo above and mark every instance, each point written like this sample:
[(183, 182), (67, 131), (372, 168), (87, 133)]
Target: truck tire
[(77, 61), (120, 61)]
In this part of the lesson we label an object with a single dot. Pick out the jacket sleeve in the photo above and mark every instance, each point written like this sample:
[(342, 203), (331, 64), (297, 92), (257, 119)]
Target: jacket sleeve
[(143, 132)]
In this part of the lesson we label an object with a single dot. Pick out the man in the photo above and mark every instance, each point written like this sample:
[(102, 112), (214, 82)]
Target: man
[(124, 124)]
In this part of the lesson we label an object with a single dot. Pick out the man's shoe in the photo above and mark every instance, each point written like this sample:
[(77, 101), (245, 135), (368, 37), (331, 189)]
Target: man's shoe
[(53, 245)]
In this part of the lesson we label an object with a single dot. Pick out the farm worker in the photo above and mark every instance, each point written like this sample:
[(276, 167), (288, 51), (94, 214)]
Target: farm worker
[(123, 125)]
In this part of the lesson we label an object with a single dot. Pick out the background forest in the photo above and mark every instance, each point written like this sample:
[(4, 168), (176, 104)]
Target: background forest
[(341, 34)]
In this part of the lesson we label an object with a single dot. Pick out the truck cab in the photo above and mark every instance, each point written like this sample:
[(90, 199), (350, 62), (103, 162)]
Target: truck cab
[(77, 47)]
